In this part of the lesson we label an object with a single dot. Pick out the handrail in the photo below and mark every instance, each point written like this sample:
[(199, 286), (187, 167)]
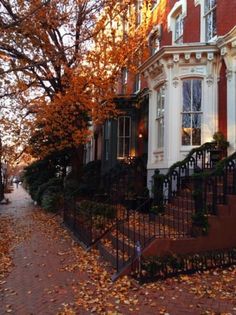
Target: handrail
[(218, 183), (197, 160)]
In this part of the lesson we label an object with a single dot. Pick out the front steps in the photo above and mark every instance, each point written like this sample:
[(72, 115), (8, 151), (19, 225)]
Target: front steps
[(170, 232)]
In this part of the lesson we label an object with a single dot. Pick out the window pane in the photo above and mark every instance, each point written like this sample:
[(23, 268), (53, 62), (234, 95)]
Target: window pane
[(196, 130), (186, 129), (186, 136), (127, 126), (186, 95), (160, 133), (121, 126), (160, 116), (154, 44), (107, 128), (106, 150), (209, 4), (197, 95), (196, 120), (160, 102), (186, 122), (179, 28), (120, 147), (127, 141), (214, 23)]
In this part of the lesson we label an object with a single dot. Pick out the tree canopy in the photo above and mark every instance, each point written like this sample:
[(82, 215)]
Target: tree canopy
[(59, 64)]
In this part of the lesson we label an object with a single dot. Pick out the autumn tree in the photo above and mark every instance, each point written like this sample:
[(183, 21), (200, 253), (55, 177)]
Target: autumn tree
[(60, 60)]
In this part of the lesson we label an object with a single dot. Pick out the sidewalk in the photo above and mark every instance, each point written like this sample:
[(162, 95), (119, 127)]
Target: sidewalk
[(36, 285), (51, 270)]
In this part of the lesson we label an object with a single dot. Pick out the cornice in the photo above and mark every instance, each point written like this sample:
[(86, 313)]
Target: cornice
[(172, 54), (229, 38)]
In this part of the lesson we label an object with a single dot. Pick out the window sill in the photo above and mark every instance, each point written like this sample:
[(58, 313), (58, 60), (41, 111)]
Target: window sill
[(159, 150), (212, 40)]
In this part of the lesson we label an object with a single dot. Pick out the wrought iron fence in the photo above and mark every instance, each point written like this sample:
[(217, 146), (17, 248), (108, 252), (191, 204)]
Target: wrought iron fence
[(165, 187), (89, 220), (218, 184), (156, 268)]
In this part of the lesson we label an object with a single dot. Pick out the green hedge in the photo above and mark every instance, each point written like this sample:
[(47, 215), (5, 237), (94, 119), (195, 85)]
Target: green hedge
[(97, 209)]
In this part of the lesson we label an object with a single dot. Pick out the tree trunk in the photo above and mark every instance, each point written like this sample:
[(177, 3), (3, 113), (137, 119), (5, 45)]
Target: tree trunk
[(1, 177)]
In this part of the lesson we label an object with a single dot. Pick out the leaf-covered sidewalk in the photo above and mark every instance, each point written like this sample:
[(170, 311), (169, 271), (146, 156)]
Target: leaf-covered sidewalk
[(44, 271)]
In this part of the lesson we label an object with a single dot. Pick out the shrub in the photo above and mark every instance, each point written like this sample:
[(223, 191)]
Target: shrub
[(52, 186), (37, 174), (97, 208), (52, 201), (71, 187)]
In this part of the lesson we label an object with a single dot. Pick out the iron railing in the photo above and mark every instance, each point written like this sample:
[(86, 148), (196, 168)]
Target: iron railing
[(171, 266), (177, 178), (215, 186), (147, 222), (89, 224)]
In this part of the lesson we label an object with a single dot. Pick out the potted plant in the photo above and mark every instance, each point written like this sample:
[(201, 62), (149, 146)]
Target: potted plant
[(220, 150)]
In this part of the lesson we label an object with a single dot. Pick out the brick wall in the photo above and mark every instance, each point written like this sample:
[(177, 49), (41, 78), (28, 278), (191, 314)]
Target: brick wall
[(192, 23), (226, 16)]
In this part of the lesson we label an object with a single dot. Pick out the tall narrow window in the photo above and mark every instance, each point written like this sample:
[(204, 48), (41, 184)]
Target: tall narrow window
[(124, 136), (107, 136), (179, 28), (154, 43), (124, 80), (210, 19), (192, 112), (160, 116), (137, 82)]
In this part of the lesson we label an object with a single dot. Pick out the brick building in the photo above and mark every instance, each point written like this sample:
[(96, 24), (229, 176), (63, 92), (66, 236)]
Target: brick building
[(185, 91)]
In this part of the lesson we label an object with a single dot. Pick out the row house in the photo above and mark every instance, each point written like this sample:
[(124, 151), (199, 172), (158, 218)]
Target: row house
[(185, 90)]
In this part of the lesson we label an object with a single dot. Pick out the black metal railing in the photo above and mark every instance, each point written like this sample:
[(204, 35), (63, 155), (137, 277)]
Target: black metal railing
[(171, 266), (142, 225), (89, 220), (167, 186), (216, 185)]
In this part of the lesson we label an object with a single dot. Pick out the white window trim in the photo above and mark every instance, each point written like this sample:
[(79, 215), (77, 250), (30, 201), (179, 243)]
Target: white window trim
[(123, 138), (138, 87), (203, 22), (188, 147), (159, 117), (180, 5)]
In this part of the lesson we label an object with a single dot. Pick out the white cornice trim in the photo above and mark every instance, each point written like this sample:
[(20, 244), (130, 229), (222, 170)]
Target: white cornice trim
[(230, 37), (166, 52)]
